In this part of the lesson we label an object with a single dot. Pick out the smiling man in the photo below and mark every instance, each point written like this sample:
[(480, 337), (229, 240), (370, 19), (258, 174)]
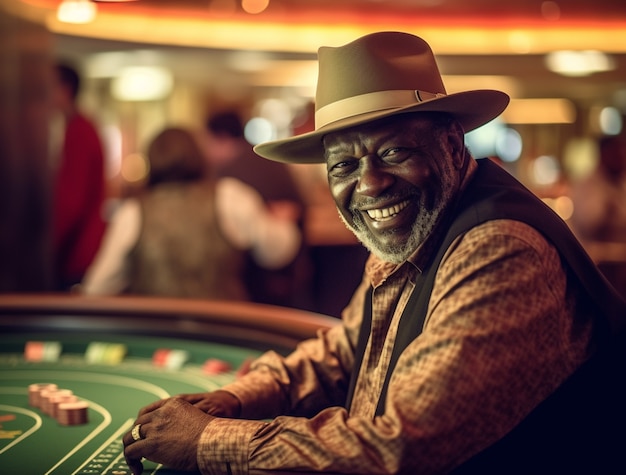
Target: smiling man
[(481, 339), (387, 189)]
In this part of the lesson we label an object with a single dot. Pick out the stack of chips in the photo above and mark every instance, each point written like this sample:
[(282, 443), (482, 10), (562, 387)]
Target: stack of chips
[(40, 351), (50, 398), (61, 404), (105, 353), (170, 359), (216, 366), (35, 390), (72, 413)]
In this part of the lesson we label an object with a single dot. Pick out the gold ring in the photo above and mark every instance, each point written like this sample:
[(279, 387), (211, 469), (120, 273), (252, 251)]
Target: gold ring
[(135, 433)]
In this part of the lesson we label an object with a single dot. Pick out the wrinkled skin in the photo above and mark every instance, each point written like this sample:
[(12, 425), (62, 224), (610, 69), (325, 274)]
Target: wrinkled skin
[(171, 429), (216, 403), (393, 179)]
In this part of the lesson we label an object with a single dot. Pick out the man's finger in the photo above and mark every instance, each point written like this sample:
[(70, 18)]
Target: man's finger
[(135, 465)]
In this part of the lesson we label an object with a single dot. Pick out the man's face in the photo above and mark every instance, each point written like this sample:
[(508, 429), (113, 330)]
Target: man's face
[(392, 179)]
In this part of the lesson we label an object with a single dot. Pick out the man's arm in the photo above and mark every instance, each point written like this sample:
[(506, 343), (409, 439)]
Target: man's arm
[(499, 338)]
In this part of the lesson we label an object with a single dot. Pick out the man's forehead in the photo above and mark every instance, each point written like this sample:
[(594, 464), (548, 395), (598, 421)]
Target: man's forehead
[(390, 124)]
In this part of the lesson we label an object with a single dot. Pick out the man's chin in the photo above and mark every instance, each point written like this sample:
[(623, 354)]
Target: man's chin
[(394, 254), (388, 253)]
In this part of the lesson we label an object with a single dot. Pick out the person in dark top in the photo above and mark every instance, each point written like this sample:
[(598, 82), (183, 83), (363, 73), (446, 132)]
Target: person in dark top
[(231, 155)]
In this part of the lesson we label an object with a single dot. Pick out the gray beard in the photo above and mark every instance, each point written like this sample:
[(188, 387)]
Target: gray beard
[(396, 254)]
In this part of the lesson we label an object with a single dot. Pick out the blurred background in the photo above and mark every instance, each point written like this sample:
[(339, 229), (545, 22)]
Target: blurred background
[(147, 64)]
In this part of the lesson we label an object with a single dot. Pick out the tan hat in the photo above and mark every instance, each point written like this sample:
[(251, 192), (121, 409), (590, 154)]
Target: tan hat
[(376, 76)]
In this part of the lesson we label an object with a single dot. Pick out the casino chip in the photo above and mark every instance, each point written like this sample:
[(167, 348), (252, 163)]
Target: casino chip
[(34, 393), (58, 398), (105, 353), (216, 366), (61, 404), (42, 351), (170, 359), (72, 413), (50, 397)]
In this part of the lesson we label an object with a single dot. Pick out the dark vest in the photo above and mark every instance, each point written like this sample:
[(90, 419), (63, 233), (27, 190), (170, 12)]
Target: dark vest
[(181, 251), (572, 431)]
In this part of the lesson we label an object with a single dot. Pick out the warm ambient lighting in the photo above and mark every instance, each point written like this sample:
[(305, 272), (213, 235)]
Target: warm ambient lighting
[(77, 11), (579, 63), (539, 111), (142, 83), (254, 6)]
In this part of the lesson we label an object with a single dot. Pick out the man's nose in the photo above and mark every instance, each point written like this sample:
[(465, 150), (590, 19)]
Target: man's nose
[(374, 178)]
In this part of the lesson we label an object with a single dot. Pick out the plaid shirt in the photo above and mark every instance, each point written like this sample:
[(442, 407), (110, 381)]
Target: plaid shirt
[(502, 331)]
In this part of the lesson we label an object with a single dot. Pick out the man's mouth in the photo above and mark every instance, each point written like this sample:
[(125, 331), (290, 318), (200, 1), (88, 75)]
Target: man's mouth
[(383, 214)]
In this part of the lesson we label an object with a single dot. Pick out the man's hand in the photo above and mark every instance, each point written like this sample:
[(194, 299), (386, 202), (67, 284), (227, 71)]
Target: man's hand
[(217, 403), (169, 432)]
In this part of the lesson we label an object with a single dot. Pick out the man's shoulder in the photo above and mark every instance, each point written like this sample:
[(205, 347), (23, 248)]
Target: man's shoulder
[(504, 228)]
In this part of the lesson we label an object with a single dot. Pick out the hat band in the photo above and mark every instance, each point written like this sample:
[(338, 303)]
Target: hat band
[(370, 102)]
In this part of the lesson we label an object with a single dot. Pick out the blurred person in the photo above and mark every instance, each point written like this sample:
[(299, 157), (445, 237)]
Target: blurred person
[(231, 155), (186, 233), (79, 191), (482, 339), (599, 216)]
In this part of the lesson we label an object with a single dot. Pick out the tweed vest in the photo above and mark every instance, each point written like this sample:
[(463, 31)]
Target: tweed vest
[(181, 251), (557, 434)]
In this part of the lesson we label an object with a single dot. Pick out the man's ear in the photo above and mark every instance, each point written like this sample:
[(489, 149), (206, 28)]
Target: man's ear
[(456, 142)]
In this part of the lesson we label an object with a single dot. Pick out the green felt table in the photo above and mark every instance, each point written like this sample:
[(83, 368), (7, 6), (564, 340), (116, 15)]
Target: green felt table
[(34, 443)]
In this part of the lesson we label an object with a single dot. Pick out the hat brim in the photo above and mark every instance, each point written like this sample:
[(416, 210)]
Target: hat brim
[(471, 108)]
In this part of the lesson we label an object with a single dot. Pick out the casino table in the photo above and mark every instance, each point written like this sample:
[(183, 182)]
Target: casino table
[(108, 351)]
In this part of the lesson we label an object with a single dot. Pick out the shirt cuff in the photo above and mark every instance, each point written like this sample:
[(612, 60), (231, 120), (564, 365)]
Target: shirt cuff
[(258, 394), (224, 446)]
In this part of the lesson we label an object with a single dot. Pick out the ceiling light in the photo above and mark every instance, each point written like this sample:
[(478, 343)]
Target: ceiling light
[(254, 6), (142, 83), (77, 11), (540, 111), (579, 63)]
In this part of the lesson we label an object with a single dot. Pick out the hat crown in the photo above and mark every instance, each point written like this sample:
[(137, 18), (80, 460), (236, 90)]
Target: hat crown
[(381, 61), (375, 77)]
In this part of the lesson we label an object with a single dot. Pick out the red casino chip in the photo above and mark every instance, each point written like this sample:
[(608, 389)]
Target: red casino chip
[(216, 366), (171, 359), (38, 351)]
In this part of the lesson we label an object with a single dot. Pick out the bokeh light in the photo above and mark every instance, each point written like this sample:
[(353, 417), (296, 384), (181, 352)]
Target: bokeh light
[(135, 168), (259, 129), (508, 145), (610, 121), (580, 157), (142, 83), (545, 170)]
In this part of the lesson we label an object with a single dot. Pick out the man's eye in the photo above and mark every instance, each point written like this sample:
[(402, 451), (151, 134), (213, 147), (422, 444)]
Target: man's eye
[(393, 152), (396, 154), (341, 168)]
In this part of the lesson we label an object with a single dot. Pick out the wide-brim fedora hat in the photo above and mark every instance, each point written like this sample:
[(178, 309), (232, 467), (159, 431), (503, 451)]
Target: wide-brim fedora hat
[(376, 76)]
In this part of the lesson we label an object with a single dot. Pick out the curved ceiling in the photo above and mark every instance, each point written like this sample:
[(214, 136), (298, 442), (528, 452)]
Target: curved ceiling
[(455, 26), (505, 41)]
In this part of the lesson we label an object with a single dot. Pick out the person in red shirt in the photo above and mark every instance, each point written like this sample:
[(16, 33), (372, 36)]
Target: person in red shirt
[(79, 186)]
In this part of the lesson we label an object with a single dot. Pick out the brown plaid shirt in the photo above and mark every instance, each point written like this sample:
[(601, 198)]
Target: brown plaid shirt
[(502, 331)]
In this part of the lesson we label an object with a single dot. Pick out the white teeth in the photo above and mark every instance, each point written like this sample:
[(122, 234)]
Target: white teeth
[(381, 214)]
